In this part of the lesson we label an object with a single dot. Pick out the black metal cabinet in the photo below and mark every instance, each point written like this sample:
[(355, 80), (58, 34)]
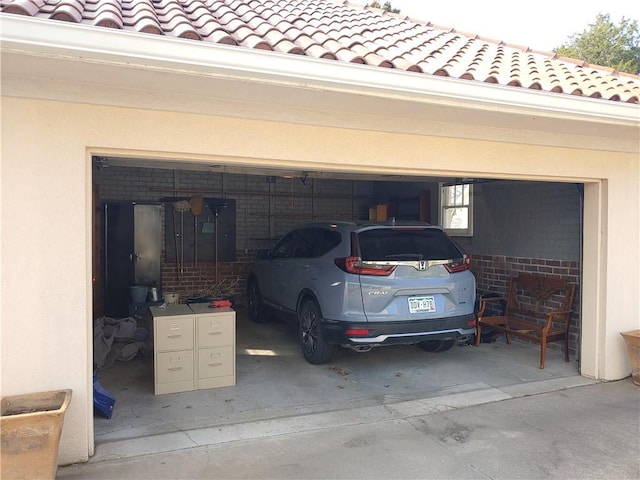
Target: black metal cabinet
[(132, 251)]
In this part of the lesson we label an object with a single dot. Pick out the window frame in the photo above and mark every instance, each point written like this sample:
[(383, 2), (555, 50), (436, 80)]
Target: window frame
[(445, 206)]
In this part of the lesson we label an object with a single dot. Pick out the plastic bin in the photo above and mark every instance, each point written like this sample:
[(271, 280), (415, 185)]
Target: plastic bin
[(103, 402), (31, 429)]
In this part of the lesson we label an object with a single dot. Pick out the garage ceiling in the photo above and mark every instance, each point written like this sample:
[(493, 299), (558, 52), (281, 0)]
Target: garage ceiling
[(230, 168)]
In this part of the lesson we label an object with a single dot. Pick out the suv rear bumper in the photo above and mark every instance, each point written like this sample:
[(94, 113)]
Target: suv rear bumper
[(397, 333)]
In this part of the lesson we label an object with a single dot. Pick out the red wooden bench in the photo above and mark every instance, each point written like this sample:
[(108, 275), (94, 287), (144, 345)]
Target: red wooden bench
[(538, 309)]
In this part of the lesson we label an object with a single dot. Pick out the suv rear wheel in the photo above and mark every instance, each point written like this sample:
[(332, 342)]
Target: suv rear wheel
[(254, 300), (315, 350)]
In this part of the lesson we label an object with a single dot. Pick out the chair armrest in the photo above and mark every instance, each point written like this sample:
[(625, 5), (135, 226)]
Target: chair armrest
[(556, 313)]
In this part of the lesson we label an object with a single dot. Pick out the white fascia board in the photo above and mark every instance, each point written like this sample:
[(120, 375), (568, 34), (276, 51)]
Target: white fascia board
[(32, 36)]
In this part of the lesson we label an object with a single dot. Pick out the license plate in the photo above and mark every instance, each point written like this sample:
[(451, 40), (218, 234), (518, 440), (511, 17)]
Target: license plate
[(422, 304)]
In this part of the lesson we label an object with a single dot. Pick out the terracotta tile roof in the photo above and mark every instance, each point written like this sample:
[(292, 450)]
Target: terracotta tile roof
[(343, 32)]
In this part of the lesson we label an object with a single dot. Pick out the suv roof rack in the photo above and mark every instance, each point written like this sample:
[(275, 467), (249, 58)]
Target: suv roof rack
[(393, 222)]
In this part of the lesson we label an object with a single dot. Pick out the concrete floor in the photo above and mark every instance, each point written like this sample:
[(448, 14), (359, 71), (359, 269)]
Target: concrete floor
[(274, 381)]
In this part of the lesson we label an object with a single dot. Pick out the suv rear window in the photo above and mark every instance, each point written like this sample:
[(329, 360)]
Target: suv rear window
[(414, 244)]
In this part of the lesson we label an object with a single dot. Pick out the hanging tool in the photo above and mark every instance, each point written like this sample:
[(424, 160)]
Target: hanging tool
[(207, 227), (195, 203), (217, 213), (175, 232), (181, 206), (215, 207)]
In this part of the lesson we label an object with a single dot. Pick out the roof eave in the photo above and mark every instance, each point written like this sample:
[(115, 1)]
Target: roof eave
[(32, 36)]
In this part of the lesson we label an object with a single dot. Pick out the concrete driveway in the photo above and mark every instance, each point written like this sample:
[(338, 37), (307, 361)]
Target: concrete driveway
[(585, 432)]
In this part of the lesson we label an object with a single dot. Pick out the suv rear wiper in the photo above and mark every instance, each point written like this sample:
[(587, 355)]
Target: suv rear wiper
[(405, 256)]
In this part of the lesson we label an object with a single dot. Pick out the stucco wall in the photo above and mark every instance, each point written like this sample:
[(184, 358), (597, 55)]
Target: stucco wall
[(46, 183), (45, 262)]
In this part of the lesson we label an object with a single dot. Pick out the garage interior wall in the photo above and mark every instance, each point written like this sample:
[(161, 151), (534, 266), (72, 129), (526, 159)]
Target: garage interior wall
[(518, 226)]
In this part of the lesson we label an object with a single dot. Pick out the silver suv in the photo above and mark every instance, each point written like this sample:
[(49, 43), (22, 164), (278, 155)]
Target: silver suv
[(365, 285)]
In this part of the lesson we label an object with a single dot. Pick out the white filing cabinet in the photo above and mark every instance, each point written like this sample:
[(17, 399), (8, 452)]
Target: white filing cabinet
[(173, 348), (194, 347), (216, 346)]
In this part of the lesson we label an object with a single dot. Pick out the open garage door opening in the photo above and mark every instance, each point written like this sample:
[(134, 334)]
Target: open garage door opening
[(189, 233)]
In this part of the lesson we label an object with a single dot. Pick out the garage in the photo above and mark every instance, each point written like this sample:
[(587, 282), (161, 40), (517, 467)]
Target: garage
[(517, 219), (168, 117)]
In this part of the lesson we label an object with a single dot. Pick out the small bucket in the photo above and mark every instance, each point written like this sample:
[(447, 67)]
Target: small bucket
[(171, 298), (138, 293)]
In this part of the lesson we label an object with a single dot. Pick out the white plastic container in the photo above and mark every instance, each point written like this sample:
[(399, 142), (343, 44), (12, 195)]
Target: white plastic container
[(171, 298)]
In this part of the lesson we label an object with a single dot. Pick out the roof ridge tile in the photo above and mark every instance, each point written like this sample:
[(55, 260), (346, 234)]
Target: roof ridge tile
[(68, 11), (23, 7)]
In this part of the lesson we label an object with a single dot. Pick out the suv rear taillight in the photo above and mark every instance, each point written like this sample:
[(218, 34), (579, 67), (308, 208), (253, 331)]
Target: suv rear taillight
[(356, 266), (459, 266)]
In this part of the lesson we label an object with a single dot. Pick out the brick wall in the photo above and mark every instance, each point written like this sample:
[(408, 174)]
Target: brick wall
[(494, 271), (207, 279), (265, 209)]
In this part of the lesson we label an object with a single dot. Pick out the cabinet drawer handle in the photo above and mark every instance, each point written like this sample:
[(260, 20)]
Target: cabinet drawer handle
[(216, 364), (177, 335), (175, 369), (215, 333)]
